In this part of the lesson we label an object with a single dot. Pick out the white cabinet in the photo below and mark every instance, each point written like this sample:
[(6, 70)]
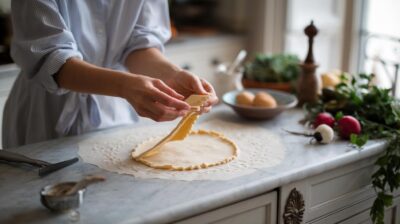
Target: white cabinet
[(258, 210), (343, 195), (392, 215)]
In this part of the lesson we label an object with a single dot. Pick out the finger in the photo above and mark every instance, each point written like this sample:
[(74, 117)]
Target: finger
[(148, 113), (197, 86), (213, 99), (164, 113), (143, 112), (154, 110), (205, 109), (207, 86), (165, 99), (168, 90)]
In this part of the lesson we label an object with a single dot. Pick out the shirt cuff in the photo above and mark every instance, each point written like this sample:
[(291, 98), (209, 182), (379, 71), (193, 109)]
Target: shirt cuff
[(51, 66), (148, 41)]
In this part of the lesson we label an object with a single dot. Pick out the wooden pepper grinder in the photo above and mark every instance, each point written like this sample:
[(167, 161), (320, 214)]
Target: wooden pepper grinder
[(308, 84)]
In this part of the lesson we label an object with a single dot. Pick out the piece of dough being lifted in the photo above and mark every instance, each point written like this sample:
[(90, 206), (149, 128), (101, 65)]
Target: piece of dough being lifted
[(184, 149)]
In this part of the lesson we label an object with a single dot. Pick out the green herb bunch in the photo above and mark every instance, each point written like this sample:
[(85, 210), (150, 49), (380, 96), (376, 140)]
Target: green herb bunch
[(379, 115), (273, 68)]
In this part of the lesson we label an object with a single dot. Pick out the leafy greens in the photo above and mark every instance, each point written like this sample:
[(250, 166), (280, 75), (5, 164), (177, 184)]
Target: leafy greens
[(379, 115), (273, 68)]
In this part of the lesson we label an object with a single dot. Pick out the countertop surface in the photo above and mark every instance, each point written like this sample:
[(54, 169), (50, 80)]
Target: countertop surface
[(125, 199)]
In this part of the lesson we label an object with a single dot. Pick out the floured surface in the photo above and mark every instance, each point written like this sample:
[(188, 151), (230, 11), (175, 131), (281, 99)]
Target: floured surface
[(259, 148), (199, 150)]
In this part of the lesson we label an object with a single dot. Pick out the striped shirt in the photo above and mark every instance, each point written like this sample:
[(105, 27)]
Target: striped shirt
[(48, 32)]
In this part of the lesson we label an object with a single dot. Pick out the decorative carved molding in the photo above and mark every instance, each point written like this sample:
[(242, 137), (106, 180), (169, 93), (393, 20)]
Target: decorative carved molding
[(294, 208)]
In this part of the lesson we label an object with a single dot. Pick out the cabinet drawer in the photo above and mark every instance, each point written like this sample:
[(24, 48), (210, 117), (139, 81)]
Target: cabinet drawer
[(258, 210), (392, 215), (345, 213), (331, 192), (344, 191)]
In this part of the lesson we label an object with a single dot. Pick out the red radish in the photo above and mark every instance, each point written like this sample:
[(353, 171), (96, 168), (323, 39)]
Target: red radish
[(324, 118), (348, 125)]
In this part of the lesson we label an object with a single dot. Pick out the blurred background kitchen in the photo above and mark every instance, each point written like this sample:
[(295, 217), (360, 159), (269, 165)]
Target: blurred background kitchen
[(354, 36)]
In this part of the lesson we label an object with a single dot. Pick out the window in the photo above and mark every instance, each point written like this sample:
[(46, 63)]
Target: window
[(328, 17), (380, 42)]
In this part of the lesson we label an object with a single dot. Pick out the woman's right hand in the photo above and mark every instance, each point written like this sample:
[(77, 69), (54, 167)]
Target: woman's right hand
[(153, 99)]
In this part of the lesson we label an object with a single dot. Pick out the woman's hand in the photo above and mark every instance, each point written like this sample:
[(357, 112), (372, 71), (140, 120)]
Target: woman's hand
[(186, 84), (151, 62), (153, 98)]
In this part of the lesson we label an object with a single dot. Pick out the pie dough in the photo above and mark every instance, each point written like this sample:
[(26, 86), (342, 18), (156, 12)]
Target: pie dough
[(184, 149), (200, 149), (182, 129)]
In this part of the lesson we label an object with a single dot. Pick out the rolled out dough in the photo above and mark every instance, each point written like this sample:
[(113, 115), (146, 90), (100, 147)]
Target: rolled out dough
[(184, 149), (201, 149), (181, 130), (112, 151)]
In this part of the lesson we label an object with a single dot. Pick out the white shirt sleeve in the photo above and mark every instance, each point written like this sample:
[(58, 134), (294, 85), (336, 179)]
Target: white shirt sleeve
[(42, 42), (152, 28)]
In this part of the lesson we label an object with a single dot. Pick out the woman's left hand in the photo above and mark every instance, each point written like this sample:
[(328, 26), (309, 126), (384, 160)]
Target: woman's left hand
[(187, 84)]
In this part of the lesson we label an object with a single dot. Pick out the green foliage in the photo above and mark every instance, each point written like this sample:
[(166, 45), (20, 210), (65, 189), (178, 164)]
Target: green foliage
[(273, 68), (339, 115), (359, 140), (379, 115)]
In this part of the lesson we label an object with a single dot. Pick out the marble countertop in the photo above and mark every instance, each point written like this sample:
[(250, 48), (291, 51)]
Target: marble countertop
[(125, 199), (8, 68), (8, 73)]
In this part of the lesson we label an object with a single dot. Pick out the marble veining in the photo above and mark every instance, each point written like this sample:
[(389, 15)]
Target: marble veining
[(125, 199)]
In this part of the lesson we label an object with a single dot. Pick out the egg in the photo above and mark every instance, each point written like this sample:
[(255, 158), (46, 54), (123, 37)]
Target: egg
[(245, 98), (263, 99)]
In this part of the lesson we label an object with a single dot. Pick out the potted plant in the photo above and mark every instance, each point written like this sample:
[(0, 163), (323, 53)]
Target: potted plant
[(279, 72)]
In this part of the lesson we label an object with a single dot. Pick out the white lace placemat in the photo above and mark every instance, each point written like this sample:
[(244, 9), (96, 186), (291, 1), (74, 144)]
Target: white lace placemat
[(258, 148)]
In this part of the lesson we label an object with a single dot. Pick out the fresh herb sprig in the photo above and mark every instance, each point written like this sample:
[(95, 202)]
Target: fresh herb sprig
[(379, 115)]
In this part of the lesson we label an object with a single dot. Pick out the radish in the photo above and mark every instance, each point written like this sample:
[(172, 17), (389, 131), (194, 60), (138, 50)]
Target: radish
[(324, 118), (323, 134), (348, 125), (326, 132)]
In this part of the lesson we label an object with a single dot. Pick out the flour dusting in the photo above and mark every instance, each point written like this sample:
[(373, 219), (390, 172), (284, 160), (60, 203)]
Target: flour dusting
[(258, 148)]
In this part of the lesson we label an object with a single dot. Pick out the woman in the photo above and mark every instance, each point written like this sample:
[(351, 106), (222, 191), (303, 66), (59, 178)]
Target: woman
[(85, 64)]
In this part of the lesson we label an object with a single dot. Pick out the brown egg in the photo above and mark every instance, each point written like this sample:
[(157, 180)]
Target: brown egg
[(245, 98), (263, 99)]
